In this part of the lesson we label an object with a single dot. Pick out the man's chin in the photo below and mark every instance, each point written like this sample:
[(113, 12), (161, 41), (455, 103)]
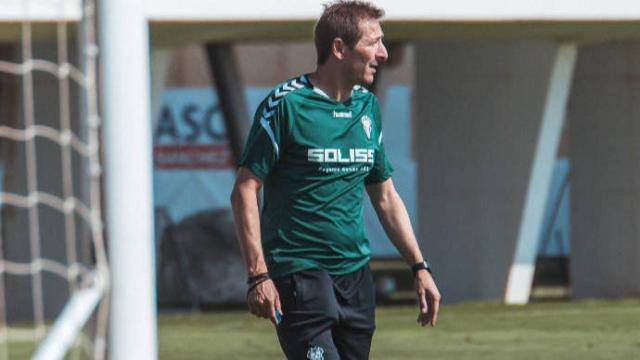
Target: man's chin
[(368, 80)]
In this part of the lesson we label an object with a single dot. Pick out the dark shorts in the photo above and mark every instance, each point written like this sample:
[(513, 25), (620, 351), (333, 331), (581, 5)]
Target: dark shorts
[(326, 316)]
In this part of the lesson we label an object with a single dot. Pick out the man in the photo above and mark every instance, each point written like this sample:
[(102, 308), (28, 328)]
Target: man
[(316, 144)]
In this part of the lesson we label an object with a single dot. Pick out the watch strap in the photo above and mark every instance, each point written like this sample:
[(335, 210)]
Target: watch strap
[(422, 265)]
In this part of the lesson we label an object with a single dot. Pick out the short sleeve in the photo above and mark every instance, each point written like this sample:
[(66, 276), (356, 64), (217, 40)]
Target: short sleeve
[(381, 169), (262, 149)]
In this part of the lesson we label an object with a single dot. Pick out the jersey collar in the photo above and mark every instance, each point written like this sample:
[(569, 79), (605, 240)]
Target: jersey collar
[(320, 92)]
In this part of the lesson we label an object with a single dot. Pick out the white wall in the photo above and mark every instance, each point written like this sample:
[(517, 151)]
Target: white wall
[(479, 106), (605, 154), (489, 10), (12, 10), (397, 10)]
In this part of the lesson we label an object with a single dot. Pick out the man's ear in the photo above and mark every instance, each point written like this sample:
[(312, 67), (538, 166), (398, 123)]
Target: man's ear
[(338, 48)]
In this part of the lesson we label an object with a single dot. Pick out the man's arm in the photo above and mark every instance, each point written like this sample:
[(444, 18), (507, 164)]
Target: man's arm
[(263, 299), (395, 221)]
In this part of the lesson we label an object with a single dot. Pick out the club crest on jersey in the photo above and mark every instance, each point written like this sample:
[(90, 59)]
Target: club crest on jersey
[(315, 353), (366, 125)]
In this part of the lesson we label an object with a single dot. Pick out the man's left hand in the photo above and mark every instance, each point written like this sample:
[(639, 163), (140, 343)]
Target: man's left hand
[(429, 298)]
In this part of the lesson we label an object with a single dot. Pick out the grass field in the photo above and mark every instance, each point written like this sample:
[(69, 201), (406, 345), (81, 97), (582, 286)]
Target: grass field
[(571, 330), (476, 331)]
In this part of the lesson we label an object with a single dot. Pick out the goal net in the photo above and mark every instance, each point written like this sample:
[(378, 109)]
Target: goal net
[(53, 264)]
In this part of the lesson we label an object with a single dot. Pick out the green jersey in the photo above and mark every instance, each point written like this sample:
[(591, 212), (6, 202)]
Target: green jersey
[(315, 155)]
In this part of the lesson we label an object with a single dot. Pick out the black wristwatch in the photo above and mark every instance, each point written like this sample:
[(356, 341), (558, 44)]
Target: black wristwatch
[(420, 266)]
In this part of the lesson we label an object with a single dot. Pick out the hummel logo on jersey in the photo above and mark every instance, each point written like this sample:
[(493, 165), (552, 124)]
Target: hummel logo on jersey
[(338, 156), (366, 125), (342, 114)]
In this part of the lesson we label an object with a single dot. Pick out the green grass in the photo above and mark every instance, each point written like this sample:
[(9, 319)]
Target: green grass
[(552, 331), (574, 330)]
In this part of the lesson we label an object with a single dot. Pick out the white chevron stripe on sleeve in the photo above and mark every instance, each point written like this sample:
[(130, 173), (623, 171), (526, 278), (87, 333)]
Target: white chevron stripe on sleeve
[(287, 87), (267, 114), (273, 103), (380, 138), (267, 128)]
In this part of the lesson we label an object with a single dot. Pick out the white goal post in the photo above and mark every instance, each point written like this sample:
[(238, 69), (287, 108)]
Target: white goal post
[(128, 174)]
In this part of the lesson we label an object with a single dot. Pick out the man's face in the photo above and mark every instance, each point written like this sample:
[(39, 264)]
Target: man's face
[(369, 52)]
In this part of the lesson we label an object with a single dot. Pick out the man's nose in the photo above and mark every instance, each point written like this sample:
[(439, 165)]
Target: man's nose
[(382, 54)]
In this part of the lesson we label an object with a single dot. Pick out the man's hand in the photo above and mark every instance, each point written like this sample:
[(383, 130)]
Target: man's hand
[(429, 298), (264, 301)]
